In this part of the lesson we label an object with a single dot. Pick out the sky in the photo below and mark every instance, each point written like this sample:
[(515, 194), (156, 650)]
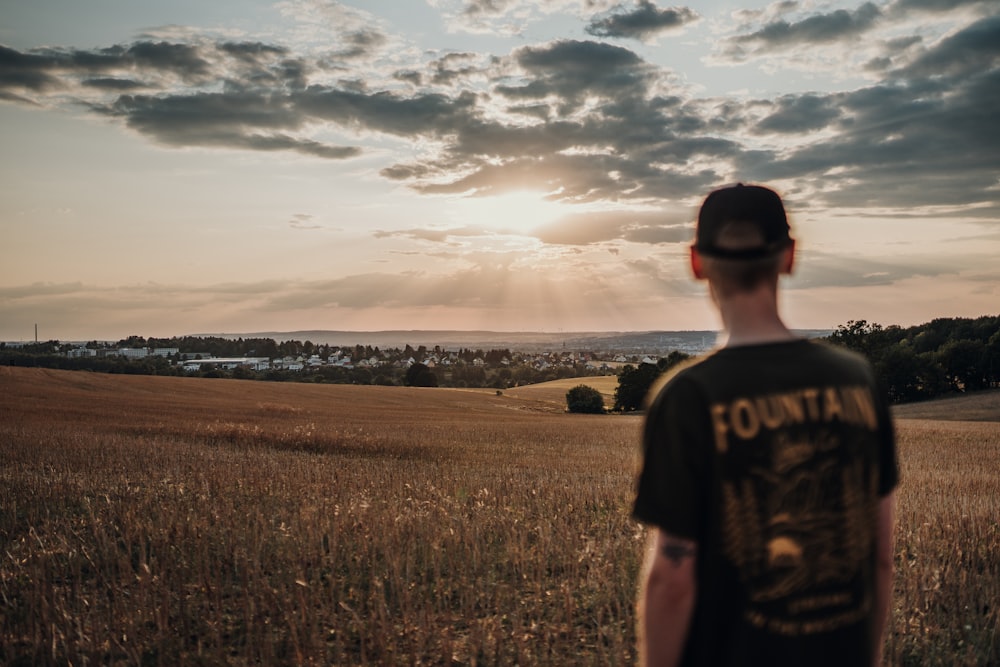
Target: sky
[(171, 168)]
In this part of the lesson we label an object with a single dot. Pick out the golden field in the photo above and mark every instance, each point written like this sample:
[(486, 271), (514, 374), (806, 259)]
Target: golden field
[(168, 521)]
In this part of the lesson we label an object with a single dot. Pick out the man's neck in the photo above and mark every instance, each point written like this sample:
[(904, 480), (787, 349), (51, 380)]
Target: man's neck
[(752, 318)]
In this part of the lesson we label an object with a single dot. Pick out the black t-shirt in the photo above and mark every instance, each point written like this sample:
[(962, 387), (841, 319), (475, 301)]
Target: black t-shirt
[(773, 458)]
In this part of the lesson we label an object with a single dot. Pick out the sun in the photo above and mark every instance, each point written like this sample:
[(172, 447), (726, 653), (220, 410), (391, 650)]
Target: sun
[(516, 212)]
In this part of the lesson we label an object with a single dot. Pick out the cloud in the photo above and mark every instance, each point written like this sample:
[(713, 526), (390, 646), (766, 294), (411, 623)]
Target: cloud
[(580, 121), (571, 70), (650, 227), (496, 17), (780, 34), (800, 113), (226, 120), (922, 138), (643, 22), (27, 71), (940, 6), (303, 221), (821, 270), (968, 52), (357, 35), (108, 83), (432, 235)]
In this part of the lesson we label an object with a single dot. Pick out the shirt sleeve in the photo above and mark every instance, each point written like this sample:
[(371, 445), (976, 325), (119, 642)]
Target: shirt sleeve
[(673, 483), (888, 463)]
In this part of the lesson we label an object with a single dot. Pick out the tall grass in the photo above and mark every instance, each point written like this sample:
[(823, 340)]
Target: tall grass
[(167, 521), (947, 601)]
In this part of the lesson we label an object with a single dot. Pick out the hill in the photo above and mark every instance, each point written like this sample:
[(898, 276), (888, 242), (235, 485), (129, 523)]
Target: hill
[(980, 406), (555, 391), (144, 398)]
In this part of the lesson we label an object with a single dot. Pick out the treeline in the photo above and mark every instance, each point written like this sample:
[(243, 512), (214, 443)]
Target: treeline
[(941, 357)]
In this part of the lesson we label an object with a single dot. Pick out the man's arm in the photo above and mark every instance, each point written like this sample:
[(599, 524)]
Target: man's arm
[(666, 600), (883, 573)]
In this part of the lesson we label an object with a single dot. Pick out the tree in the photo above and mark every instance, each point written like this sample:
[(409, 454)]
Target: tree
[(965, 363), (419, 375), (633, 385), (859, 336), (584, 399)]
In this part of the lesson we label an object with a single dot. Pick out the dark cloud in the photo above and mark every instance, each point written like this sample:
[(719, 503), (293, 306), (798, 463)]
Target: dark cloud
[(182, 119), (224, 120), (571, 71), (800, 113), (966, 53), (412, 77), (360, 43), (432, 114), (182, 59), (252, 52), (817, 29), (937, 5), (113, 84), (645, 21), (453, 68), (925, 137), (147, 63), (27, 71)]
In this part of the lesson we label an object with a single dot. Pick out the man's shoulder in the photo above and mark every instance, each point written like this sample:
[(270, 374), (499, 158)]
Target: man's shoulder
[(758, 363)]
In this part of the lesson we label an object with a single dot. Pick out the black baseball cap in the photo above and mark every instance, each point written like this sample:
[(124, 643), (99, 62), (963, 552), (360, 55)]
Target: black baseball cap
[(742, 203)]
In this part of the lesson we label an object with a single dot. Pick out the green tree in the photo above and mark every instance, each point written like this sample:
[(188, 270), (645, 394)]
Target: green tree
[(584, 399), (859, 336), (419, 375), (633, 385), (965, 363)]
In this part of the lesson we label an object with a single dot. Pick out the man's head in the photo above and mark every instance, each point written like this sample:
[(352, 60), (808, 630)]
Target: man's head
[(742, 238)]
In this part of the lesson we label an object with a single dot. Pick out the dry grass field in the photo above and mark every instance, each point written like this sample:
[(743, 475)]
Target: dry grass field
[(167, 521), (555, 392)]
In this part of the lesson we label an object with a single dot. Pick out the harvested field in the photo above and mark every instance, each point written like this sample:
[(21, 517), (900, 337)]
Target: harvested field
[(172, 521)]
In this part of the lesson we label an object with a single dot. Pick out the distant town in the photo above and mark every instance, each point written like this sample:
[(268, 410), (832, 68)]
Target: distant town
[(512, 359)]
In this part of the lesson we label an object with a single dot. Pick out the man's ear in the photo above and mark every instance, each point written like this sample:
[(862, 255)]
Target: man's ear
[(788, 258), (696, 266)]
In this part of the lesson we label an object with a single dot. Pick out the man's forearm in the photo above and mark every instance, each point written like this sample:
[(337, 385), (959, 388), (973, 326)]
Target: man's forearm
[(883, 594), (666, 603), (883, 574), (666, 619)]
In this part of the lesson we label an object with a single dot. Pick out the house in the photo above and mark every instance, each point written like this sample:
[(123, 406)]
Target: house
[(252, 363)]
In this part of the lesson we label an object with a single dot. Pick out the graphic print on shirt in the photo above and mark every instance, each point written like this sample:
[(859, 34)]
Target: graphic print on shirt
[(799, 501)]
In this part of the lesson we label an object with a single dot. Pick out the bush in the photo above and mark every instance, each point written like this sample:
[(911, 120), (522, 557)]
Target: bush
[(582, 398)]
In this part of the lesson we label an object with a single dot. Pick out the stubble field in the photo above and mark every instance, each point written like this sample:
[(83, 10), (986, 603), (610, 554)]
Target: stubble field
[(169, 521)]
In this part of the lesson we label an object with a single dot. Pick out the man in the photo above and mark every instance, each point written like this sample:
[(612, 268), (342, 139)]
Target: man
[(768, 474)]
